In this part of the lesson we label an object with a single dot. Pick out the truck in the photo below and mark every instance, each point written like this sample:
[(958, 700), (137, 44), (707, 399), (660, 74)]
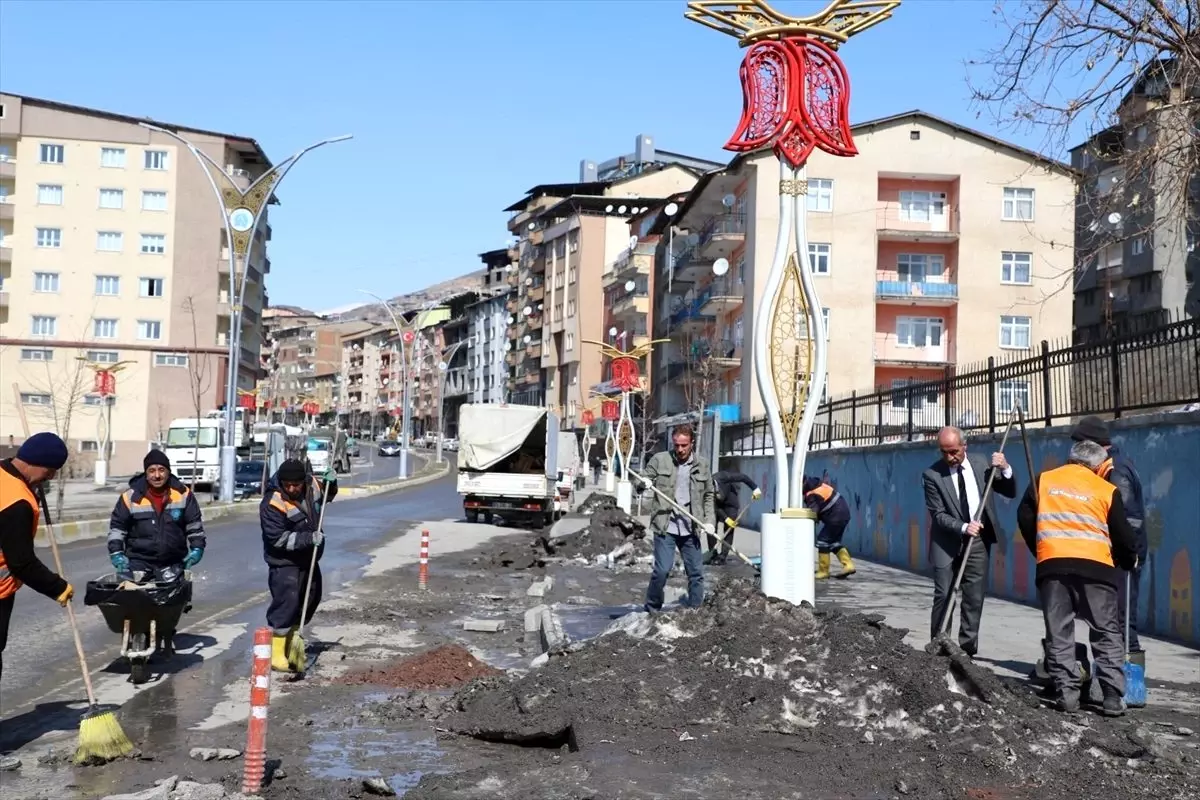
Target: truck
[(569, 470), (194, 447), (241, 442), (508, 462), (274, 443), (327, 447)]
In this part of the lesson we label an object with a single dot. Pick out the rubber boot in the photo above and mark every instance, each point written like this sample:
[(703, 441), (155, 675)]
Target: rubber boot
[(847, 563), (279, 660), (822, 566)]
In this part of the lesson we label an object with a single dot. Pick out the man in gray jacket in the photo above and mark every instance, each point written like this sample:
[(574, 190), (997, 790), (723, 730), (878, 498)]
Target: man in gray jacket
[(687, 478)]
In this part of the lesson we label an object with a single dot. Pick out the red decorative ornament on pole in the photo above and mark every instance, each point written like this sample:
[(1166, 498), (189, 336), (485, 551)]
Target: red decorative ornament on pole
[(245, 401), (588, 416), (625, 374), (105, 383), (610, 410)]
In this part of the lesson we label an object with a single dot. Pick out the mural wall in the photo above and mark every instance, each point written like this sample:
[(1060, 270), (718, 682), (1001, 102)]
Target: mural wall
[(890, 524)]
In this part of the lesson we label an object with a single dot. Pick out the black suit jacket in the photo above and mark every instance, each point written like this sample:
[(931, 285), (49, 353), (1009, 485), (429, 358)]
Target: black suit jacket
[(945, 513)]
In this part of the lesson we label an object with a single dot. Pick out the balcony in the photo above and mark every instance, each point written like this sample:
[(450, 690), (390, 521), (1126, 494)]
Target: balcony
[(536, 292), (631, 303), (638, 260), (5, 253), (7, 209), (8, 167), (690, 266), (721, 236), (725, 353), (692, 310), (913, 293), (724, 294), (889, 350), (3, 299), (897, 222), (534, 349)]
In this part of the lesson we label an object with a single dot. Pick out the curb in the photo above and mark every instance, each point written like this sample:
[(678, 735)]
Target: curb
[(82, 530)]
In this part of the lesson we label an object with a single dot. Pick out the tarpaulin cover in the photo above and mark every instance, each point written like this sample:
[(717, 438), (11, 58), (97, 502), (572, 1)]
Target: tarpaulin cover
[(489, 433)]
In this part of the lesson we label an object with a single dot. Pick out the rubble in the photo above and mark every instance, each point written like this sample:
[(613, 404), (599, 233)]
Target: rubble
[(174, 789), (609, 530), (440, 668), (214, 753), (594, 501)]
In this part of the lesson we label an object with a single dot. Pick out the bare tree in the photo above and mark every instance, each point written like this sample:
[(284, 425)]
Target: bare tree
[(199, 374), (66, 388), (702, 377), (1124, 76)]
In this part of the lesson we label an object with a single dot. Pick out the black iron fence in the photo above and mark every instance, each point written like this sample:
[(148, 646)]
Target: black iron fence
[(1134, 372)]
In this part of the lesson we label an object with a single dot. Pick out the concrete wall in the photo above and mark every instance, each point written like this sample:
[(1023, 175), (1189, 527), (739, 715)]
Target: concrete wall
[(890, 524)]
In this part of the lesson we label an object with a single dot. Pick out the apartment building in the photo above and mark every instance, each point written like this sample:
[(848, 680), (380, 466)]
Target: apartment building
[(1138, 211), (487, 335), (371, 398), (568, 234), (306, 362), (112, 252), (936, 246)]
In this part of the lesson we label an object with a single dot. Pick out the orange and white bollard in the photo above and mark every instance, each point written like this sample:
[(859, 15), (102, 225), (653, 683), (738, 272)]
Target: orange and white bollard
[(260, 696), (423, 570)]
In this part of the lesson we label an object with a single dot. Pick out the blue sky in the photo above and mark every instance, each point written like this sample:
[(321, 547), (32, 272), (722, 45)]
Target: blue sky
[(457, 107)]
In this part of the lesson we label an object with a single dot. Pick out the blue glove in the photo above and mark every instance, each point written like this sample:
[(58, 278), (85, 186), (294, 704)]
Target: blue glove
[(193, 557), (330, 474), (119, 561)]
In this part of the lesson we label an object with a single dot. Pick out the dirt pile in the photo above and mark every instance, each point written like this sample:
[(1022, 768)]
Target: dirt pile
[(610, 532), (440, 668), (841, 693), (594, 501)]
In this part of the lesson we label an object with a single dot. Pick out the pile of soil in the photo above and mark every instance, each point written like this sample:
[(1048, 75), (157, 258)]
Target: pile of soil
[(610, 528), (594, 501), (440, 668), (842, 694)]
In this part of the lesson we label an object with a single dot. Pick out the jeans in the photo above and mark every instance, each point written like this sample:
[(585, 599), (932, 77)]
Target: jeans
[(664, 558), (1065, 597)]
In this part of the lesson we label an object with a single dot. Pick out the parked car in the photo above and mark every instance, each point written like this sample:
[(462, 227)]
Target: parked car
[(389, 448), (248, 479), (449, 443), (352, 447)]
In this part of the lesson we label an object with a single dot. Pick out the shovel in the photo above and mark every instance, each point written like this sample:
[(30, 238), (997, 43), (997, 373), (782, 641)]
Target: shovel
[(721, 542)]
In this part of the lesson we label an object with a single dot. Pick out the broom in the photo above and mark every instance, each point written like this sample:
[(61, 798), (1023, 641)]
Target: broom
[(296, 650), (100, 735)]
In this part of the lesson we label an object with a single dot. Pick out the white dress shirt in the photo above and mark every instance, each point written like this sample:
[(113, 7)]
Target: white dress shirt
[(973, 493)]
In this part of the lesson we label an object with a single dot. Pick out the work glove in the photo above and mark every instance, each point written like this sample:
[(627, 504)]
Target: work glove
[(730, 523), (66, 596), (318, 538), (193, 557), (119, 561), (756, 494)]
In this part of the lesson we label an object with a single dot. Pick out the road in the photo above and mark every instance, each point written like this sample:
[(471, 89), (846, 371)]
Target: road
[(229, 586), (371, 467)]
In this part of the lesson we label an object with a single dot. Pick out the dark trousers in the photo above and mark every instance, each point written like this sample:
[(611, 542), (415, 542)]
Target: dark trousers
[(829, 539), (1135, 580), (726, 532), (1065, 597), (945, 568), (664, 558), (596, 475), (287, 595), (6, 609)]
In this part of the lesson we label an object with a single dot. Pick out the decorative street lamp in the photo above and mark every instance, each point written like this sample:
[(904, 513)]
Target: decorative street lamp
[(406, 337), (796, 99), (105, 385), (242, 212), (444, 375)]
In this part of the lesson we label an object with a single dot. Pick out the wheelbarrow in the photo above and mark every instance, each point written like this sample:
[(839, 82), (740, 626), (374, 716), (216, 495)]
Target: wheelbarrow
[(138, 605)]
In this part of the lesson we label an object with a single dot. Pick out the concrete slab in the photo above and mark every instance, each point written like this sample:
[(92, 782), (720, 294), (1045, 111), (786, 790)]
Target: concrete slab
[(483, 625)]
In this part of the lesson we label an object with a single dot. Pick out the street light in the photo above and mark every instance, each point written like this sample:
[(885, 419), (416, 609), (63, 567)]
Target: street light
[(785, 57), (444, 369), (242, 212), (107, 393), (406, 337)]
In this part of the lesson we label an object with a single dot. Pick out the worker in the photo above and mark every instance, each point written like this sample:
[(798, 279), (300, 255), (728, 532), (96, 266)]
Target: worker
[(728, 508), (156, 526), (833, 515), (38, 460), (290, 514), (1074, 522)]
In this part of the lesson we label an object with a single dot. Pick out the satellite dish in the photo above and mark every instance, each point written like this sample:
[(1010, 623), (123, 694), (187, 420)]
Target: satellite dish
[(531, 225), (527, 311), (630, 286), (508, 345), (541, 306), (671, 209), (511, 320), (529, 281), (693, 238), (633, 240), (612, 331), (528, 338), (720, 267), (728, 200), (442, 365), (1114, 218), (608, 209), (621, 209)]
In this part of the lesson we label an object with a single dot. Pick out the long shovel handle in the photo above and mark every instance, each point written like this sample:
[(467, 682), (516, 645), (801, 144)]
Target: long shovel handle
[(1025, 442), (83, 667), (670, 501), (312, 565)]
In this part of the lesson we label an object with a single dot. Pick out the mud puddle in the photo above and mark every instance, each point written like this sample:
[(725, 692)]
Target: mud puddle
[(357, 753)]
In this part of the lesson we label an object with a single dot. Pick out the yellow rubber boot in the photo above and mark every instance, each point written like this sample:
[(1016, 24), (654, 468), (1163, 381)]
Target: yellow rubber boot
[(279, 659), (822, 566), (847, 563)]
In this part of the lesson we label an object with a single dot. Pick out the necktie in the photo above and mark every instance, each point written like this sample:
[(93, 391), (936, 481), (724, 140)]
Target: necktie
[(964, 505)]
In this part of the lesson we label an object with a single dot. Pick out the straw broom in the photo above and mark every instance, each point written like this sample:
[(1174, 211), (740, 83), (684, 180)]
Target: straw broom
[(296, 647), (100, 735)]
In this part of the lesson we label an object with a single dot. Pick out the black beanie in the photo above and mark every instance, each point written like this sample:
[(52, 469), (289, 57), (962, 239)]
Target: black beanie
[(156, 457), (291, 471), (1092, 429)]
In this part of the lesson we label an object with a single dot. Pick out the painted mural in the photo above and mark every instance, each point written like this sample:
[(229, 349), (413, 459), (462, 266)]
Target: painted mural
[(890, 524)]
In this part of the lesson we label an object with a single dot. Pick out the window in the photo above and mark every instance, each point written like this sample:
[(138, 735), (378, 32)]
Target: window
[(52, 154), (1015, 267), (113, 157), (1015, 332), (1018, 204), (44, 326), (108, 286), (154, 243), (109, 241), (919, 331), (50, 194), (49, 237), (920, 267), (45, 281), (103, 356), (156, 159), (35, 399), (104, 328), (818, 258), (912, 392), (570, 341), (32, 354), (151, 287), (170, 359), (921, 206), (801, 326), (570, 308), (149, 329), (89, 445), (820, 194), (112, 198), (1012, 394), (1139, 245), (154, 201)]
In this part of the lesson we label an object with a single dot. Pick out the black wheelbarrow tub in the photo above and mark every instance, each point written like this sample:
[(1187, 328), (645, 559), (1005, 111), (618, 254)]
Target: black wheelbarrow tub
[(162, 602)]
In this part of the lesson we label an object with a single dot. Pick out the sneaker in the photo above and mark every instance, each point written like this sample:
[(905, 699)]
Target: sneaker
[(1068, 703), (1113, 707)]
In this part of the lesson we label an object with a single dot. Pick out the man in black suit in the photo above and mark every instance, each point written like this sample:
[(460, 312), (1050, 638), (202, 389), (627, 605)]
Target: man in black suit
[(954, 485)]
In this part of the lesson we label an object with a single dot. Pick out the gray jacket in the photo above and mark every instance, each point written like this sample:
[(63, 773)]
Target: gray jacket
[(660, 471)]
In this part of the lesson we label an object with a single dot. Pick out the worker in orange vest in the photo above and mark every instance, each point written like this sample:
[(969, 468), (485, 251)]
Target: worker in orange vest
[(38, 460), (1074, 522), (833, 515)]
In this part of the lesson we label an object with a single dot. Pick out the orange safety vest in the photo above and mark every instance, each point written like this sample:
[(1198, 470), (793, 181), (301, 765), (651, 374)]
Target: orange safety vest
[(828, 496), (1105, 469), (1072, 515), (13, 490)]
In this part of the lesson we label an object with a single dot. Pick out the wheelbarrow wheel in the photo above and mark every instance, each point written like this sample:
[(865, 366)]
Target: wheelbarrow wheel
[(139, 671)]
